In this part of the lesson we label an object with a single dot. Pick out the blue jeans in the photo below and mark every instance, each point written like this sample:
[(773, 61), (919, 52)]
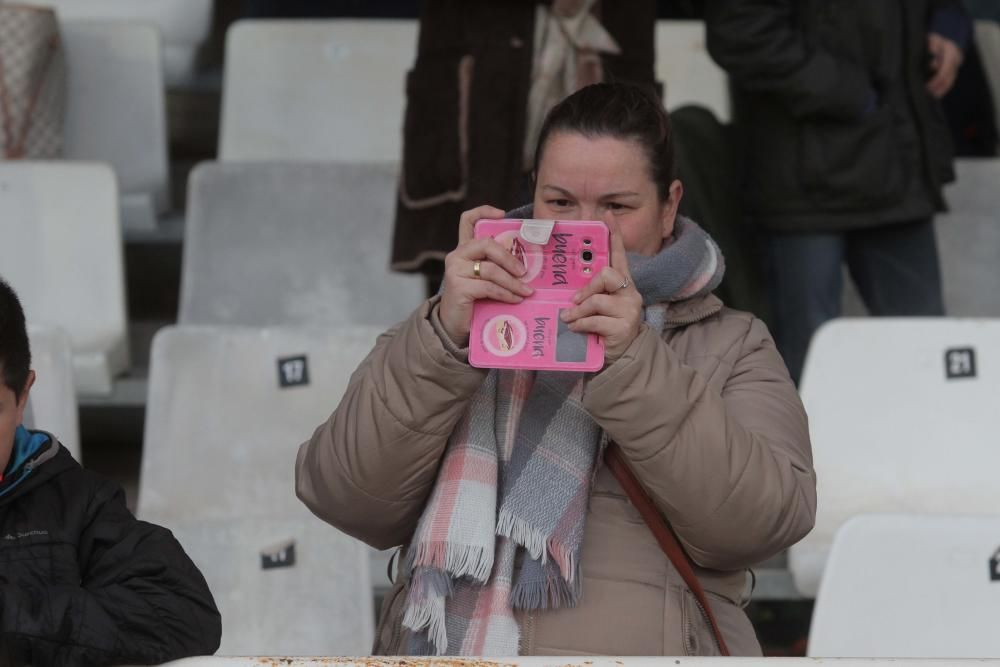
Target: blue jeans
[(894, 267)]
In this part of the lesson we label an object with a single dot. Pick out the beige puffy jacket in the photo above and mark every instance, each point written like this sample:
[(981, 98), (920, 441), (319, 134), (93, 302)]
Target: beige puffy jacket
[(706, 415)]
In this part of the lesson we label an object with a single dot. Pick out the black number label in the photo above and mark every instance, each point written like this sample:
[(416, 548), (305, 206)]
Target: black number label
[(293, 371), (281, 555), (960, 362)]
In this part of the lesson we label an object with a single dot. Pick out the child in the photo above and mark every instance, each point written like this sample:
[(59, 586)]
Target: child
[(82, 581)]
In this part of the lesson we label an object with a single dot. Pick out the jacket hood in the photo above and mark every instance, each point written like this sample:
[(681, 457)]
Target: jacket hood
[(49, 460)]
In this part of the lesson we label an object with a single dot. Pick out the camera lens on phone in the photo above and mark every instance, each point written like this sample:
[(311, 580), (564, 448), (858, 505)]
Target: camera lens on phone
[(587, 256)]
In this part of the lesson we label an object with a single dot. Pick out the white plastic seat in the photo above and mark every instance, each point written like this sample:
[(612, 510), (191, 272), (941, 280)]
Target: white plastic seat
[(687, 71), (221, 433), (115, 110), (891, 431), (316, 90), (910, 586), (221, 437), (184, 24), (285, 244), (61, 251), (312, 597), (52, 402)]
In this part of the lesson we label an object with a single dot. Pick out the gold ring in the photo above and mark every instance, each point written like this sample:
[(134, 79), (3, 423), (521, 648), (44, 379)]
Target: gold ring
[(475, 269)]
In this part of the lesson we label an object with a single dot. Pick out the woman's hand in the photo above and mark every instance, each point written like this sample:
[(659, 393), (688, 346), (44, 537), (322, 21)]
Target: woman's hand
[(477, 269), (610, 306)]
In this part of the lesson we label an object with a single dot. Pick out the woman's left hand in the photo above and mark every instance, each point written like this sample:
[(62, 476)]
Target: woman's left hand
[(610, 306)]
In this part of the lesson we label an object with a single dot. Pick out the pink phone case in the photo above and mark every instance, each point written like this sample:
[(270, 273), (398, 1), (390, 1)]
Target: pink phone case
[(561, 257)]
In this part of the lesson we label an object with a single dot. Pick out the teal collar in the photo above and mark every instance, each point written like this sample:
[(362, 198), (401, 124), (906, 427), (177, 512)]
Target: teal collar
[(27, 445)]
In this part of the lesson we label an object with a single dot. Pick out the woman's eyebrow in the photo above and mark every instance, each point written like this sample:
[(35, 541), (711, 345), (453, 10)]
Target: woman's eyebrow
[(558, 189), (610, 195)]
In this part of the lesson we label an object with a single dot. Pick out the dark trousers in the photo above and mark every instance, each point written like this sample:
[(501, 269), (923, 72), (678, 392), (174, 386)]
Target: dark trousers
[(895, 268)]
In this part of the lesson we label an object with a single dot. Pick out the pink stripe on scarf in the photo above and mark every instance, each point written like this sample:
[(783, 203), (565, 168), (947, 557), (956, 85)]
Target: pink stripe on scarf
[(495, 603), (450, 479)]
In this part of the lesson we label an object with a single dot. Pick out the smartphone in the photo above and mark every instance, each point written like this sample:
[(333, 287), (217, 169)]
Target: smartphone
[(561, 257)]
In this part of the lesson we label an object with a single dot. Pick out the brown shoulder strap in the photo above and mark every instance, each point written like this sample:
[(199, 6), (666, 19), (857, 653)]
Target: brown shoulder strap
[(664, 534)]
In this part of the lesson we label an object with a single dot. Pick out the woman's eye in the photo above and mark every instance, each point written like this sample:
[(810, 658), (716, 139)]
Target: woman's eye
[(559, 203), (614, 206)]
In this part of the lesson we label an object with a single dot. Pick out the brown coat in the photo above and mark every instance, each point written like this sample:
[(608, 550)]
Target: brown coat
[(707, 417)]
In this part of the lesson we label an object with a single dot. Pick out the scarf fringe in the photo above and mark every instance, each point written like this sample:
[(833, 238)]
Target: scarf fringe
[(459, 560), (428, 615), (524, 534), (564, 557), (553, 593)]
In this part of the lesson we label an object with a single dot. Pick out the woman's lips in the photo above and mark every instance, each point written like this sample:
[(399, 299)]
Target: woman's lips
[(506, 335)]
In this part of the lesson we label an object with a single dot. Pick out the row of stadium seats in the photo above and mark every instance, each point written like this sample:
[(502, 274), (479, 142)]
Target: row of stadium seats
[(322, 90), (303, 243), (267, 244), (292, 90)]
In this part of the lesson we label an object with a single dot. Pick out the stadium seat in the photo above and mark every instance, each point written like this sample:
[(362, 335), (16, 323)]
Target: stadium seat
[(52, 402), (227, 410), (688, 73), (115, 111), (184, 25), (288, 586), (910, 586), (903, 418), (286, 244), (61, 250), (316, 90)]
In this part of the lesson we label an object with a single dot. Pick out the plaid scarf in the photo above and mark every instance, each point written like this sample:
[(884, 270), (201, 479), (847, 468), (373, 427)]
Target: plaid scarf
[(503, 528)]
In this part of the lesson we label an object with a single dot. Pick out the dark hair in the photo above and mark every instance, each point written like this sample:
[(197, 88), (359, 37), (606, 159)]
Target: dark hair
[(623, 111), (15, 351)]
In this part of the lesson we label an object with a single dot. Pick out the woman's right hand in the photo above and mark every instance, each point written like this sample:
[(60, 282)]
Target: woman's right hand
[(499, 275)]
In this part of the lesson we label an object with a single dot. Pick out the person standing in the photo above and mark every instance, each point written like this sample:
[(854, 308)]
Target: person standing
[(486, 72), (845, 148)]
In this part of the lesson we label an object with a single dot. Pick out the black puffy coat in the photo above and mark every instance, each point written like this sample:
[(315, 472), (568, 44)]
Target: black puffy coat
[(82, 582), (838, 131)]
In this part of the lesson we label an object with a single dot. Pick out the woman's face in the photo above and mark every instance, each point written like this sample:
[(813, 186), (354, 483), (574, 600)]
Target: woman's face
[(608, 179)]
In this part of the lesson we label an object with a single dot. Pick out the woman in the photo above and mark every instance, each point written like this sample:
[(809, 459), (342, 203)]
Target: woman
[(518, 539)]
